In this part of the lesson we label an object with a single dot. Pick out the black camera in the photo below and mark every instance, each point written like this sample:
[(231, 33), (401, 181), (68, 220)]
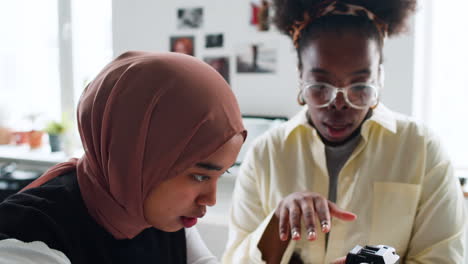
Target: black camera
[(372, 255)]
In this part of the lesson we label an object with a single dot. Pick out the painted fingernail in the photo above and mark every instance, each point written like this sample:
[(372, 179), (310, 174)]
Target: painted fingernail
[(283, 237), (295, 235), (311, 235), (325, 226)]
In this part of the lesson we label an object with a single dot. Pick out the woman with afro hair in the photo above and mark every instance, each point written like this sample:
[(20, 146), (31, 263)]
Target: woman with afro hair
[(346, 170)]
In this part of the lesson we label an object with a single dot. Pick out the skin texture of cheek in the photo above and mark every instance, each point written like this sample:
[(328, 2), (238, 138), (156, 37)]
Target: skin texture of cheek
[(180, 204), (163, 205)]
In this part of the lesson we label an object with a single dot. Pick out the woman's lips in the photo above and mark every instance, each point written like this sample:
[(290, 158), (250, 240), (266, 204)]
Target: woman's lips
[(189, 221), (337, 131)]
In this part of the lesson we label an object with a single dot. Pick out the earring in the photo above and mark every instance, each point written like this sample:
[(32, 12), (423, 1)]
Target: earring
[(375, 106), (300, 98)]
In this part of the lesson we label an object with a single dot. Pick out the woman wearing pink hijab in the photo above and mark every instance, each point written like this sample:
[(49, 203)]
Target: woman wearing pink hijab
[(158, 130)]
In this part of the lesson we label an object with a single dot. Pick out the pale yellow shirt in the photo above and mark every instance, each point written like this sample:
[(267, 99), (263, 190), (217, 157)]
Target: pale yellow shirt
[(398, 181)]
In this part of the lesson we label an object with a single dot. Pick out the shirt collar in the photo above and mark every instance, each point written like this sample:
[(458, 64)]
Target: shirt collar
[(384, 117), (381, 116), (299, 120)]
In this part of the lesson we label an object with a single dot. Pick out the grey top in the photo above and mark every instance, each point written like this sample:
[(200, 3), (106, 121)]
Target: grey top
[(336, 159)]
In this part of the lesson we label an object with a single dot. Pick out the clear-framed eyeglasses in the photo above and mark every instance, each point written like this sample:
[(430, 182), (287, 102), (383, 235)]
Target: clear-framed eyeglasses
[(357, 95)]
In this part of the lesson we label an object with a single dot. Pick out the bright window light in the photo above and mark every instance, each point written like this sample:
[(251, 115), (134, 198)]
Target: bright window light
[(29, 73), (32, 50), (92, 40), (444, 90)]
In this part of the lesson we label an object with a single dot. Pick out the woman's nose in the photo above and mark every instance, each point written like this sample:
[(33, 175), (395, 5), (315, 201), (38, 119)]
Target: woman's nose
[(208, 198), (340, 102)]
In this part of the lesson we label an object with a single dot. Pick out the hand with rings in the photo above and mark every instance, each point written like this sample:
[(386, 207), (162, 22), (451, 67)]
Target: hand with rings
[(309, 206)]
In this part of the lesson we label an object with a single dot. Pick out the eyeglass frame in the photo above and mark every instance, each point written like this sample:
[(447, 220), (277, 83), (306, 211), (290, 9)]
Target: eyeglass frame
[(304, 85)]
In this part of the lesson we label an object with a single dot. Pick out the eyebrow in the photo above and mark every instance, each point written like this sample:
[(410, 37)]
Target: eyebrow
[(209, 166), (319, 70), (323, 71), (360, 72)]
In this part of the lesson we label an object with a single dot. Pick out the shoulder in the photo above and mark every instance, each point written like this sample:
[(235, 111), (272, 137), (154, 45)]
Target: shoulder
[(57, 194), (39, 214), (393, 125), (409, 137), (407, 125), (410, 129), (284, 135), (266, 145)]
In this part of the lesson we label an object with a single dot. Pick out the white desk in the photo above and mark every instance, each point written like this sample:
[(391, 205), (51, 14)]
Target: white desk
[(38, 159)]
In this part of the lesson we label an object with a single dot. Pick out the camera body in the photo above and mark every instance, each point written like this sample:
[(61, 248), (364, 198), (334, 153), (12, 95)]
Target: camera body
[(380, 254)]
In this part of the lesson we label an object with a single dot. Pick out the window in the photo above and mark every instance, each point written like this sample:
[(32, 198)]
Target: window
[(49, 51), (442, 75), (92, 40), (29, 62)]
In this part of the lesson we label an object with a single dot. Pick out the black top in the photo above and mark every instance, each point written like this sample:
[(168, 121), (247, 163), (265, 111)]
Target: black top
[(55, 214)]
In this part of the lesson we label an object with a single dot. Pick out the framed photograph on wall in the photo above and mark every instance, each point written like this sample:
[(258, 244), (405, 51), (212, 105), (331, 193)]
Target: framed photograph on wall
[(214, 40), (182, 44), (256, 58), (221, 64), (260, 14), (189, 18)]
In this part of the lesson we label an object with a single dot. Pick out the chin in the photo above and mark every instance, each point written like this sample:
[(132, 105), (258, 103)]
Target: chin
[(170, 230), (169, 227)]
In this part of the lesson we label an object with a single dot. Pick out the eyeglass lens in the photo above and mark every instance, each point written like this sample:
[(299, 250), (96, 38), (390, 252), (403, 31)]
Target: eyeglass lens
[(359, 94)]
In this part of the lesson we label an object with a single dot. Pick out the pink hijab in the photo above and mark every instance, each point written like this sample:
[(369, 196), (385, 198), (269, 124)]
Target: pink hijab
[(144, 119)]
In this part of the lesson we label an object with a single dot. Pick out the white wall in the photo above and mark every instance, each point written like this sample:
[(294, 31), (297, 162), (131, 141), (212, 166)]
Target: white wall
[(148, 24), (399, 64)]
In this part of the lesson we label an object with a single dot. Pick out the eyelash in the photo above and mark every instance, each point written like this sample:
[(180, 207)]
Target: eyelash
[(200, 178)]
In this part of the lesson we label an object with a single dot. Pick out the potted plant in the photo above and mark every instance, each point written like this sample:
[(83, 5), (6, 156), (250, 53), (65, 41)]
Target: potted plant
[(56, 131), (34, 136)]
